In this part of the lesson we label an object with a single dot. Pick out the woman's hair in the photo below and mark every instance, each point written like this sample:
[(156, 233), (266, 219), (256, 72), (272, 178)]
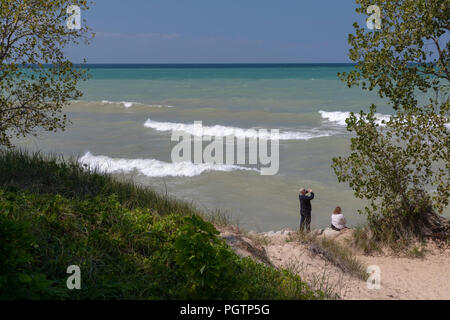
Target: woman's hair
[(337, 210)]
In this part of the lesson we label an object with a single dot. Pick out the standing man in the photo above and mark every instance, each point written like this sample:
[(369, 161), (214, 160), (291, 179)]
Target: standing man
[(305, 209)]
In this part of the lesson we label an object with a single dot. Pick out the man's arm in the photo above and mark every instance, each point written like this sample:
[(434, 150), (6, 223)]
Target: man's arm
[(311, 196)]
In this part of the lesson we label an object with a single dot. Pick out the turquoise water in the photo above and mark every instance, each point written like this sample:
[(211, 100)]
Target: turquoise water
[(124, 121), (276, 88)]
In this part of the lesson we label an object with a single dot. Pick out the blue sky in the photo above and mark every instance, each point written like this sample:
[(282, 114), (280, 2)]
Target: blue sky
[(213, 31)]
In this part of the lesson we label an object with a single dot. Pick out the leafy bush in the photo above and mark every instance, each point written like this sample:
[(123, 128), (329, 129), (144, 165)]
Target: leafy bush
[(17, 280), (204, 258)]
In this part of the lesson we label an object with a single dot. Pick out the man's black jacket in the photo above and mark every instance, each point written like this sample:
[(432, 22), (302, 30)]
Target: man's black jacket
[(305, 202)]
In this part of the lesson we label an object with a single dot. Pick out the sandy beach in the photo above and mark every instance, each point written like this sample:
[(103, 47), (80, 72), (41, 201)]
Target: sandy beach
[(401, 277)]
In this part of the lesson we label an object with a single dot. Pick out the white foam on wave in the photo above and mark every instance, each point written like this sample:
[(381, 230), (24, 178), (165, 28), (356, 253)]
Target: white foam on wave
[(153, 167), (222, 131), (160, 106), (339, 117), (129, 104), (126, 104)]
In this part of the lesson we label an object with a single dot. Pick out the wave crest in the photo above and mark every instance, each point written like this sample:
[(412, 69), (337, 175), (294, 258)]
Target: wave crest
[(222, 131), (153, 167), (129, 104), (339, 117)]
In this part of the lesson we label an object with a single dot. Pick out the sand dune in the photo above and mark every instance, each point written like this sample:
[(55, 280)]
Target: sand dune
[(401, 277)]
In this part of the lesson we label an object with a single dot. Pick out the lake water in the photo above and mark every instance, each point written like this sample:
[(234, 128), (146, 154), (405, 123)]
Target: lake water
[(306, 102)]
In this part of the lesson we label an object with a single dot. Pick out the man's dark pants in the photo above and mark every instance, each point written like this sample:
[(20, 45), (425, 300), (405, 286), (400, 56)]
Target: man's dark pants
[(305, 220)]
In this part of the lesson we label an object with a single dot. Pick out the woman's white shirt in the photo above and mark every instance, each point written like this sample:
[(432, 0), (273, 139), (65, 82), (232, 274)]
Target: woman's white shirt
[(338, 220)]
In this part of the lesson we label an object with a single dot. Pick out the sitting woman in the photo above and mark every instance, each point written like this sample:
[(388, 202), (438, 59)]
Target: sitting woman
[(338, 220)]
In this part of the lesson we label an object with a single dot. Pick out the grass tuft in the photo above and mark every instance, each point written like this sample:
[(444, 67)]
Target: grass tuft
[(416, 252), (363, 241)]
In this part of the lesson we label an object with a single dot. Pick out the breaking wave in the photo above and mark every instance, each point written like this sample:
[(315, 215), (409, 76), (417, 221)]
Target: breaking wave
[(153, 167), (129, 104), (222, 131), (339, 117)]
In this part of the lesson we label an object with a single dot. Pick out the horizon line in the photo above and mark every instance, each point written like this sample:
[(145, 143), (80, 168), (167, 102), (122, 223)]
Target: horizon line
[(169, 63), (207, 64)]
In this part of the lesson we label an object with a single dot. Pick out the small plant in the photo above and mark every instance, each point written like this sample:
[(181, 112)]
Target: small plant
[(417, 252), (364, 241)]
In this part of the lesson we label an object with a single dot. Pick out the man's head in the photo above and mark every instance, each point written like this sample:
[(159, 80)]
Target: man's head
[(302, 191)]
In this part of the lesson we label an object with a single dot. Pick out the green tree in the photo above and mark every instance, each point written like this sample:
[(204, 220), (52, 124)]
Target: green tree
[(401, 166), (36, 78)]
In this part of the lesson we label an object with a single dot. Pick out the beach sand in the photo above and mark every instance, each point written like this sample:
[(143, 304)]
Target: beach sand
[(401, 277)]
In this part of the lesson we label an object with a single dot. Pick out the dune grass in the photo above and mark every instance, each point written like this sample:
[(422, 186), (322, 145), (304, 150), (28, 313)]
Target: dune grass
[(362, 240), (40, 173), (339, 255), (129, 242)]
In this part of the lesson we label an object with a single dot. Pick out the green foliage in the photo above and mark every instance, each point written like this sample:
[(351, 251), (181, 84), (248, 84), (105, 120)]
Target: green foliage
[(201, 255), (394, 164), (125, 250), (410, 52), (16, 280), (36, 79)]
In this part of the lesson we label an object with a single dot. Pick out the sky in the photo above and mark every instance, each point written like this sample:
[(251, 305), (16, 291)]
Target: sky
[(218, 31)]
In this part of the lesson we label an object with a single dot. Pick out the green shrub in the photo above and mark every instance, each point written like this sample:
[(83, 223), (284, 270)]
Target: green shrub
[(204, 258), (17, 278)]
